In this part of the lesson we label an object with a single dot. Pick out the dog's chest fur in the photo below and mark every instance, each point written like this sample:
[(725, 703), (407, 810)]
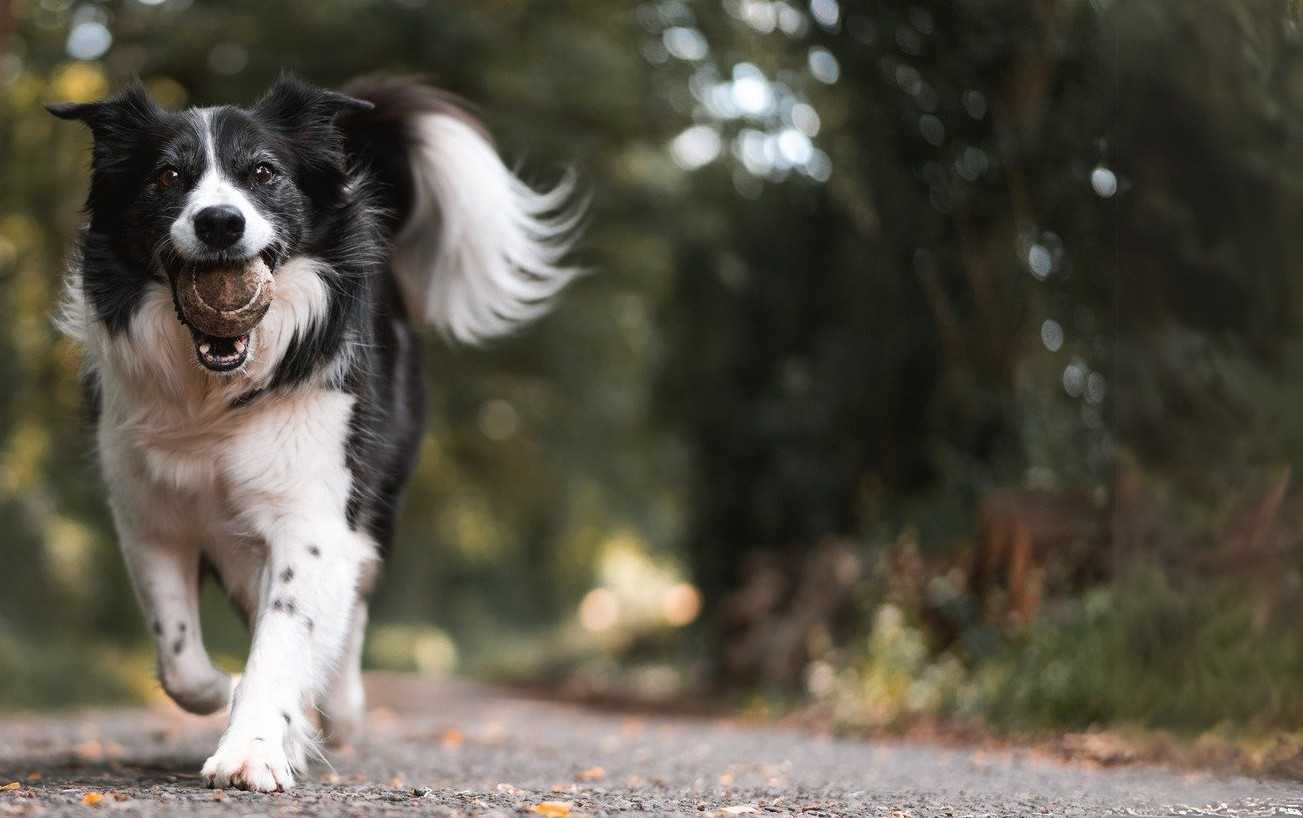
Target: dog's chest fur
[(204, 448)]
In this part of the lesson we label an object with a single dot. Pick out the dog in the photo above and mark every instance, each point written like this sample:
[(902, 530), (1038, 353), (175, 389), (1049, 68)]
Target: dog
[(273, 456)]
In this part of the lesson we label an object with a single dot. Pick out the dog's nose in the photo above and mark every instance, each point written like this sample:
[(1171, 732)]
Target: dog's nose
[(219, 226)]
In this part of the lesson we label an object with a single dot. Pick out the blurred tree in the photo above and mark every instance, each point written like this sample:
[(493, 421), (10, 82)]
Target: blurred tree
[(999, 220)]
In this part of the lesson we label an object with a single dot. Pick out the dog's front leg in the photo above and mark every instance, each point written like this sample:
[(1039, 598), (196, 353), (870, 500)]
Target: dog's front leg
[(305, 599), (166, 578), (290, 485), (162, 557)]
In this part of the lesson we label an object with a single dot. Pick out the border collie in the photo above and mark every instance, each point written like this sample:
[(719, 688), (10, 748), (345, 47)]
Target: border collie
[(275, 459)]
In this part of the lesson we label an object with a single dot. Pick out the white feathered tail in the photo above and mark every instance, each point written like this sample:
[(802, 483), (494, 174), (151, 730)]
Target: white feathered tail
[(478, 252)]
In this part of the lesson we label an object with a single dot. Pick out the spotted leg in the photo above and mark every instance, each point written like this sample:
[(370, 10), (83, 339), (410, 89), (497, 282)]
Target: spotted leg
[(167, 585), (164, 566), (290, 485)]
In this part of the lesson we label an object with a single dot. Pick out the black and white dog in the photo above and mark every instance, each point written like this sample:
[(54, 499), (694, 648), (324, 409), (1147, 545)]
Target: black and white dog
[(275, 459)]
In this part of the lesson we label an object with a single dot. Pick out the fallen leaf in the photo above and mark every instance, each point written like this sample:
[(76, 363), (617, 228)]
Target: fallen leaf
[(553, 809), (90, 750), (591, 774), (10, 786), (90, 799)]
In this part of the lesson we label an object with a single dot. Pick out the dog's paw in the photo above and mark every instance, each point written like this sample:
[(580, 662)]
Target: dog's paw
[(256, 764)]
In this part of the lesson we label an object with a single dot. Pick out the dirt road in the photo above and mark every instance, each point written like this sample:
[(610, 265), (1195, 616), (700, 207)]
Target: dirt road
[(458, 749)]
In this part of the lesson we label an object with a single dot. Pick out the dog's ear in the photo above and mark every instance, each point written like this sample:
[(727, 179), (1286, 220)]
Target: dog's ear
[(73, 110), (119, 124), (129, 108), (294, 104), (305, 115)]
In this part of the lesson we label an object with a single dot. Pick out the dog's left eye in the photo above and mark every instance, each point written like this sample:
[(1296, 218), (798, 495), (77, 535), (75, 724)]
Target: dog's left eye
[(262, 174)]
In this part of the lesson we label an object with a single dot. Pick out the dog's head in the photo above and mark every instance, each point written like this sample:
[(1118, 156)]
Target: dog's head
[(209, 200)]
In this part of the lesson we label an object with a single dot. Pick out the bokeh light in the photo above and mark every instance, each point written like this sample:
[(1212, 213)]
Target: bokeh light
[(599, 610)]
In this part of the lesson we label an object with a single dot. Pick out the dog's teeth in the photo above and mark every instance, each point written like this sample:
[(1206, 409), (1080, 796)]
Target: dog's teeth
[(239, 345), (205, 348)]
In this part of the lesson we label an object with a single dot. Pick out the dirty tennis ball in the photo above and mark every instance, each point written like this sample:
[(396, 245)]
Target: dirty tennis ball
[(228, 301)]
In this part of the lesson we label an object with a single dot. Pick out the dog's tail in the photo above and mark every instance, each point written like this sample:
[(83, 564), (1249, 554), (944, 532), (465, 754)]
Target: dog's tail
[(477, 252)]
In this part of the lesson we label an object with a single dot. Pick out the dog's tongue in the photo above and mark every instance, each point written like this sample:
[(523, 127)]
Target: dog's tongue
[(225, 302)]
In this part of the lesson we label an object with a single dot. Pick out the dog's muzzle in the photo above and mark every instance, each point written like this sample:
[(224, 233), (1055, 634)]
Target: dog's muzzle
[(221, 305)]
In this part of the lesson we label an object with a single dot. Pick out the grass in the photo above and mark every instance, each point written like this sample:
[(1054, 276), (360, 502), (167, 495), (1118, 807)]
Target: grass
[(1141, 651)]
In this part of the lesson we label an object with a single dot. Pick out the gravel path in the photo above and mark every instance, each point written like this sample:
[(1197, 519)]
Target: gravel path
[(458, 749)]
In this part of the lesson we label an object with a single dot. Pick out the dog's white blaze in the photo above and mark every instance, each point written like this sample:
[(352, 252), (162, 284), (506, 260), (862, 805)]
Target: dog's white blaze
[(481, 254), (214, 188)]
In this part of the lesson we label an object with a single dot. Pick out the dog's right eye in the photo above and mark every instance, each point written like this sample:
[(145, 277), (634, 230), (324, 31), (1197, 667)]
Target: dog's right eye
[(168, 177), (263, 173)]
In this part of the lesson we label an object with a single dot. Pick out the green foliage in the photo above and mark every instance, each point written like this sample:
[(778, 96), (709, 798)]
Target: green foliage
[(1138, 651), (1144, 652)]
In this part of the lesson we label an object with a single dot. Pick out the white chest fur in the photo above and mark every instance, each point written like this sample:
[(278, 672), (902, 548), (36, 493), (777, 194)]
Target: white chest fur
[(168, 434)]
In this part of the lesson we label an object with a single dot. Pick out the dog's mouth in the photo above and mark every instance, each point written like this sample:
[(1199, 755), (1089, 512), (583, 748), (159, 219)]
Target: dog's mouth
[(221, 354), (222, 304)]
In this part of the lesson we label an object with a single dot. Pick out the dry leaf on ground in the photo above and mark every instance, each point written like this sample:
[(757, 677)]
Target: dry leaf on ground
[(553, 809), (90, 750), (90, 799), (591, 774)]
